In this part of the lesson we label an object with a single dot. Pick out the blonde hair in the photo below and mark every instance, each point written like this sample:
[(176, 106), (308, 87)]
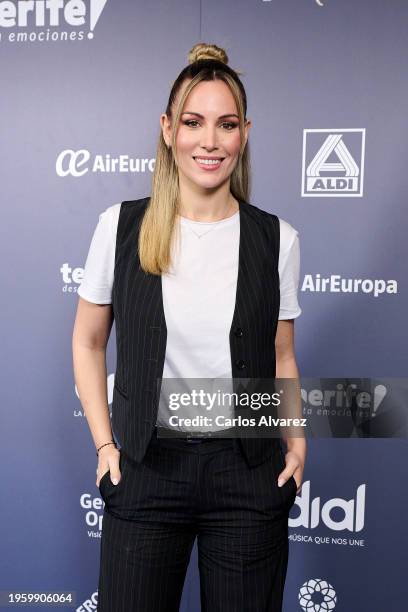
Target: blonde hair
[(158, 227)]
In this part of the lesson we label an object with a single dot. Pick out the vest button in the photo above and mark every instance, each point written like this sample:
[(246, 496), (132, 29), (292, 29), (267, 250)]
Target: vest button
[(238, 332), (240, 364)]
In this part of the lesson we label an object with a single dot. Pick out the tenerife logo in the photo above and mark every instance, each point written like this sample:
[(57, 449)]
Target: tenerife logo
[(317, 595), (49, 20), (333, 163)]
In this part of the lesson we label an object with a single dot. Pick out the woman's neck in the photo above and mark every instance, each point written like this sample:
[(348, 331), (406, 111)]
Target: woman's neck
[(209, 210)]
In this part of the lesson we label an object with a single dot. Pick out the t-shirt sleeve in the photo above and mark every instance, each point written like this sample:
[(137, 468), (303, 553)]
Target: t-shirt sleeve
[(97, 281), (289, 270)]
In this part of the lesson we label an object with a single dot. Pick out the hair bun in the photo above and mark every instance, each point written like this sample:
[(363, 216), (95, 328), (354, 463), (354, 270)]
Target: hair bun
[(202, 51)]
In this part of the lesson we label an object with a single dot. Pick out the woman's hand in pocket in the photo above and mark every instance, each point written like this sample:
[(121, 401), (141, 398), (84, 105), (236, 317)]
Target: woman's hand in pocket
[(108, 459), (294, 467)]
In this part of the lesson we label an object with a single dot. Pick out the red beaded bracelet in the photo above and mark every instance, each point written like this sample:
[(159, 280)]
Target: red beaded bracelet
[(106, 444)]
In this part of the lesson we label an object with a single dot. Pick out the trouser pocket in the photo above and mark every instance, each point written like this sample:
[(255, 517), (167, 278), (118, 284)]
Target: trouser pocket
[(106, 486)]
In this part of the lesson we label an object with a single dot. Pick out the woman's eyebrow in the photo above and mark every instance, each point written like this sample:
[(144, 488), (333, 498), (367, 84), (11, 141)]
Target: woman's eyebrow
[(202, 116)]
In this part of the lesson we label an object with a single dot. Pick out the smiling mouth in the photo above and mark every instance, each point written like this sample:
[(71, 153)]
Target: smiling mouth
[(211, 162)]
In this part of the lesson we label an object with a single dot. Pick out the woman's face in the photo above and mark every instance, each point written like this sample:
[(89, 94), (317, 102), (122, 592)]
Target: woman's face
[(208, 138)]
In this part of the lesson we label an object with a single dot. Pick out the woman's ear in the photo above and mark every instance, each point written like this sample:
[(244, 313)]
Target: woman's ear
[(248, 125), (166, 128)]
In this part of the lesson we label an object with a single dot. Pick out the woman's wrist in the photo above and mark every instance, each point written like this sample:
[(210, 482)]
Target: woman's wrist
[(297, 445), (103, 445)]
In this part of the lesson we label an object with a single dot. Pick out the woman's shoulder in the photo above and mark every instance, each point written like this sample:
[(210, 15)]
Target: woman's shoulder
[(287, 233), (112, 212)]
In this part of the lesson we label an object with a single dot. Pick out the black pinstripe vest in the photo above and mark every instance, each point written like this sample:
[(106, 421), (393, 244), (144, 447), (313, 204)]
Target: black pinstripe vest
[(141, 332)]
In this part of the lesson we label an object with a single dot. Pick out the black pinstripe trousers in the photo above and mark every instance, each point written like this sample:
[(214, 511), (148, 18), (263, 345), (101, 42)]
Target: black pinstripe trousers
[(181, 491)]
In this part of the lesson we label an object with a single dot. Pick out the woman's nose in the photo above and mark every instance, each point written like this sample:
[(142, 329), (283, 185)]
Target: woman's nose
[(209, 138)]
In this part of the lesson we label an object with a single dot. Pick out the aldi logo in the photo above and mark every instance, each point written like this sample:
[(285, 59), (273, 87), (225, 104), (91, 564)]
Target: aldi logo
[(333, 162)]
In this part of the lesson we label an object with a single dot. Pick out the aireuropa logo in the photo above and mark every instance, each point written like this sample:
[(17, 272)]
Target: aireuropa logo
[(317, 595), (333, 162), (90, 604), (335, 283), (49, 20), (80, 162)]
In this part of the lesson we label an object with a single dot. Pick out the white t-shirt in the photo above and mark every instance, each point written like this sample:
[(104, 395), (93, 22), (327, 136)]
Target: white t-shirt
[(198, 291)]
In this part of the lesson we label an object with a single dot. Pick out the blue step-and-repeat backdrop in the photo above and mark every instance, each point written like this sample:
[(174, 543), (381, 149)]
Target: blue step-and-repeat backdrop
[(83, 84)]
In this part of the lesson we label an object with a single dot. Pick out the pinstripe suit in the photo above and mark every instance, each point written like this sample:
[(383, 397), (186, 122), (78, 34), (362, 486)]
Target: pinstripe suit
[(223, 491)]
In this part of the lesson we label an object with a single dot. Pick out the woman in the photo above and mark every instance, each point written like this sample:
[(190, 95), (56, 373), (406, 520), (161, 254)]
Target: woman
[(201, 284)]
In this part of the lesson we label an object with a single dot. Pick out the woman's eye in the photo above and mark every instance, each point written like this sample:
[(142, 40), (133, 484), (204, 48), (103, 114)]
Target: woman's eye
[(230, 125)]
